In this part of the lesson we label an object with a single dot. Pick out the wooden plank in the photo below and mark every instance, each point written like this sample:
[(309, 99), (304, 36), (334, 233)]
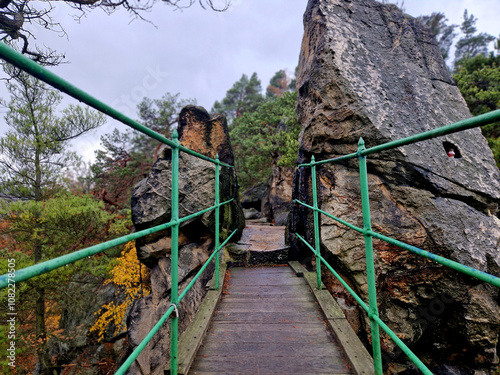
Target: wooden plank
[(309, 297), (272, 306), (268, 317), (292, 327), (360, 360), (312, 281), (297, 268), (266, 281), (269, 322), (278, 365), (256, 272), (273, 373), (269, 333), (222, 272), (192, 337), (291, 347), (330, 307), (262, 295), (267, 289)]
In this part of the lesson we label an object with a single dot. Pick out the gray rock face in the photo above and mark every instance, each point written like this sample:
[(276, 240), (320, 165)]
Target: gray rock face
[(278, 195), (151, 205), (366, 70), (252, 197)]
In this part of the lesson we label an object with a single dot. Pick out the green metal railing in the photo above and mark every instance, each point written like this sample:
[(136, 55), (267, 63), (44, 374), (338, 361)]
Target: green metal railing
[(29, 66), (368, 234)]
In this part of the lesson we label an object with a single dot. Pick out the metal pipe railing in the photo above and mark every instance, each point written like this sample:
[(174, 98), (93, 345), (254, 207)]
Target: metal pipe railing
[(473, 122), (368, 234), (45, 75), (40, 72)]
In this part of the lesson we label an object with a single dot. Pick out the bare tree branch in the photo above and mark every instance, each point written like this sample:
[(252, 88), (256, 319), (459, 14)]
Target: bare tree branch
[(15, 14)]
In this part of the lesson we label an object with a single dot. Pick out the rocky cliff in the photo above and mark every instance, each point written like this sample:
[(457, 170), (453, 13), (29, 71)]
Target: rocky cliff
[(151, 206), (367, 70)]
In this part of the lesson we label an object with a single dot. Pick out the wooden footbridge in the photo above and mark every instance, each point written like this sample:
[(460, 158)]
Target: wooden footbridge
[(270, 320)]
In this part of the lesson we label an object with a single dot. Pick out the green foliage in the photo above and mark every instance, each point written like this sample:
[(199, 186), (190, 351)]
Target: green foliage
[(126, 158), (244, 96), (34, 150), (266, 134), (58, 225), (278, 84), (159, 115), (118, 167), (472, 43), (478, 79)]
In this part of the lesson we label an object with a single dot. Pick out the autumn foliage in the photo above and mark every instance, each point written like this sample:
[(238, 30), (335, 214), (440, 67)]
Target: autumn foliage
[(132, 279)]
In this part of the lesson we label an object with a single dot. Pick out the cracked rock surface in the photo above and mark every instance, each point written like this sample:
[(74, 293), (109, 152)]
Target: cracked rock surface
[(151, 206), (367, 70)]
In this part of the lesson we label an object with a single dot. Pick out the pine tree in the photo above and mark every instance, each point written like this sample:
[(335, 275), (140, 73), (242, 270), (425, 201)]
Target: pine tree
[(278, 84), (33, 154), (472, 43), (244, 96), (478, 79), (444, 33)]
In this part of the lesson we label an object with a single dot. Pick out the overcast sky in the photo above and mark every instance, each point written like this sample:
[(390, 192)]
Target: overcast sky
[(197, 53)]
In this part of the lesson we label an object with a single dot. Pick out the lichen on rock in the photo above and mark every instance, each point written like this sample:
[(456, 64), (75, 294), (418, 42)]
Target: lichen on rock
[(151, 205), (367, 70)]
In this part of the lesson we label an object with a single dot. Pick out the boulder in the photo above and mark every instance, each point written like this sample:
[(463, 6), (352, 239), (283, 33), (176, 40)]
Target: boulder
[(252, 197), (278, 194), (151, 205), (251, 213), (367, 70)]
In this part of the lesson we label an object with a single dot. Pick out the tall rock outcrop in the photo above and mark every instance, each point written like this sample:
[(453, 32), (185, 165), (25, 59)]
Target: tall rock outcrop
[(151, 206), (367, 70)]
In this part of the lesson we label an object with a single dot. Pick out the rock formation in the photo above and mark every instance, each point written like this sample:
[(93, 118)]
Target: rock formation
[(278, 194), (367, 70), (151, 206)]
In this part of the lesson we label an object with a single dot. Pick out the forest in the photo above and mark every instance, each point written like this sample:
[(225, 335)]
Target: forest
[(50, 205)]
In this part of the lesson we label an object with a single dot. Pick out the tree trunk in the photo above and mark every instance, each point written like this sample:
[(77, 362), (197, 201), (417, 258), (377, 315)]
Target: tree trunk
[(40, 328)]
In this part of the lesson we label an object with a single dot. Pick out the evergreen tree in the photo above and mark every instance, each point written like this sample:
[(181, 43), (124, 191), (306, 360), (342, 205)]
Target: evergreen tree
[(244, 96), (472, 43), (58, 225), (270, 132), (444, 33), (478, 79), (34, 151), (33, 154), (159, 115), (119, 166), (127, 157), (278, 84)]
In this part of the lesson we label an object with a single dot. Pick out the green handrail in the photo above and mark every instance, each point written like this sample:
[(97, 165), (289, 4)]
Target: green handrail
[(45, 75), (473, 122), (368, 234), (40, 72)]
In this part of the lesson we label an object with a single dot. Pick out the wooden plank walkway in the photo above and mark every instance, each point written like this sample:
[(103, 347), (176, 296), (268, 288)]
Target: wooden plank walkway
[(268, 323)]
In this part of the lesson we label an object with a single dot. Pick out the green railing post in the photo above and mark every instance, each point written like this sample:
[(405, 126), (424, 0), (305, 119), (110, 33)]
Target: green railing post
[(316, 221), (370, 266), (217, 211), (174, 255)]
